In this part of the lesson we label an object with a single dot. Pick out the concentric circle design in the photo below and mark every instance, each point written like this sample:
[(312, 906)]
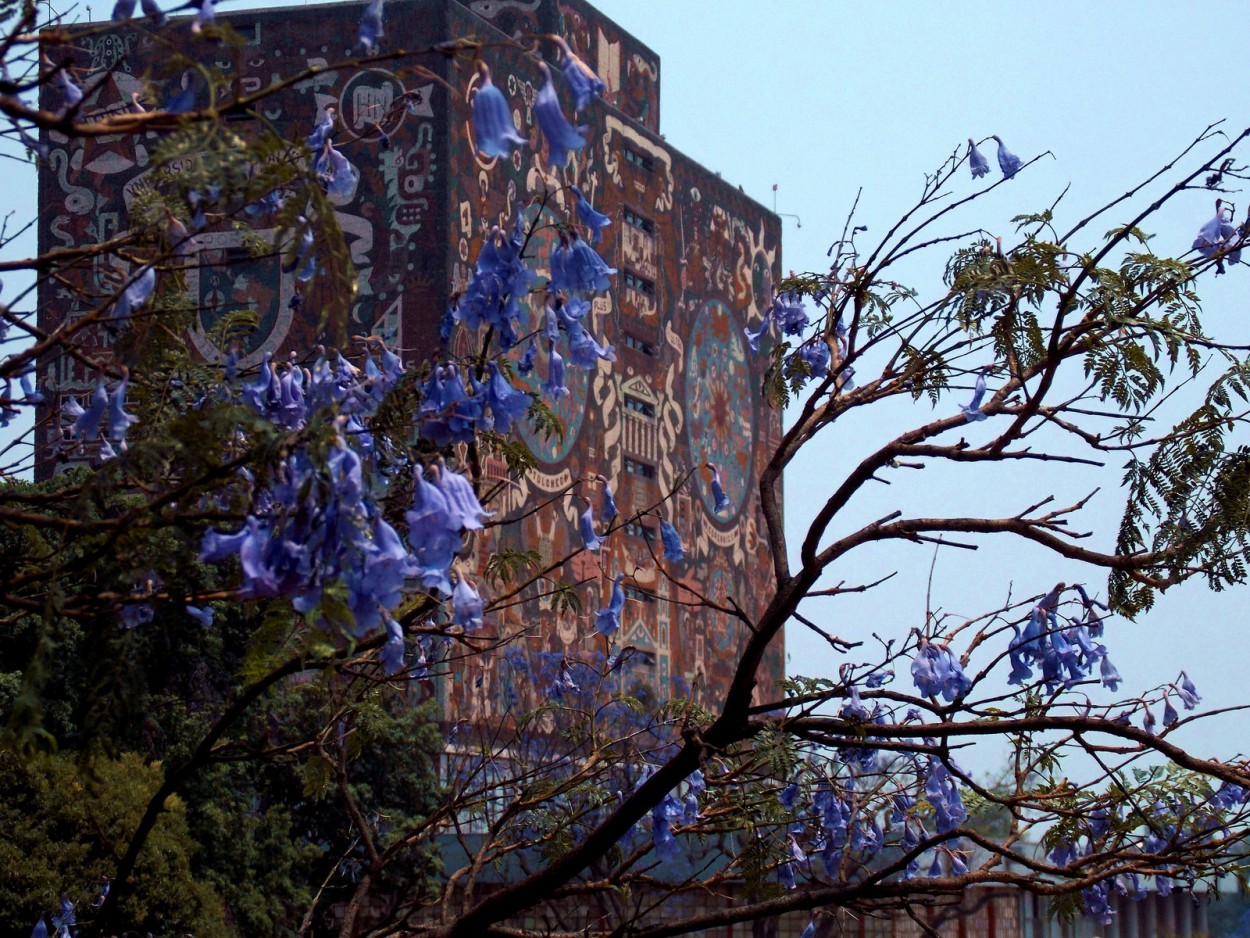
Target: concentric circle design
[(720, 418)]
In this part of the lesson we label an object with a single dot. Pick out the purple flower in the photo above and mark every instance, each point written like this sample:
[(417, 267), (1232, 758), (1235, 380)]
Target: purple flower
[(119, 420), (665, 843), (182, 100), (561, 136), (1008, 162), (1219, 239), (135, 294), (1110, 676), (672, 542), (152, 8), (506, 403), (71, 94), (321, 133), (878, 678), (215, 547), (785, 875), (134, 615), (87, 426), (583, 82), (575, 266), (718, 493), (335, 172), (30, 394), (202, 615), (972, 410), (586, 526), (936, 671), (976, 161), (753, 338), (302, 260), (788, 794), (526, 364), (431, 534), (370, 29), (789, 314), (392, 652), (554, 388), (589, 217), (493, 128), (123, 10), (467, 605), (464, 509), (205, 15), (585, 352), (608, 619), (608, 510), (1187, 692), (1170, 715), (816, 355)]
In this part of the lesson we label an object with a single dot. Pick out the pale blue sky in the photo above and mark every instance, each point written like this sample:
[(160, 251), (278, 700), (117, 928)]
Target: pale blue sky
[(823, 98)]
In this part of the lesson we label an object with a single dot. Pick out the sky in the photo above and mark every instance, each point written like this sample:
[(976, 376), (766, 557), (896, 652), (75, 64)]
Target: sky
[(829, 101), (825, 99)]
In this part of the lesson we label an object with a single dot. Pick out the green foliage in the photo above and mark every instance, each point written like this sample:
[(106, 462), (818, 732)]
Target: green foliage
[(504, 565), (61, 827), (1187, 499)]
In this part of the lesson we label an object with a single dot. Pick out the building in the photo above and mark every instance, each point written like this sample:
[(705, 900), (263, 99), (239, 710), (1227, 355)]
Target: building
[(696, 260)]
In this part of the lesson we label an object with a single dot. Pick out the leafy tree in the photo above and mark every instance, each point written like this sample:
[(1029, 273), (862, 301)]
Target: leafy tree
[(226, 635)]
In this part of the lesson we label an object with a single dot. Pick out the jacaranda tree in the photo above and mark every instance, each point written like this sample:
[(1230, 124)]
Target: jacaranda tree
[(227, 616)]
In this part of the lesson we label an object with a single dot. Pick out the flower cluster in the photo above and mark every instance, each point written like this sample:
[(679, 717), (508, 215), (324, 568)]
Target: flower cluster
[(1066, 653), (938, 673), (787, 311), (1219, 239), (452, 412), (500, 281), (315, 534), (493, 125), (1008, 162)]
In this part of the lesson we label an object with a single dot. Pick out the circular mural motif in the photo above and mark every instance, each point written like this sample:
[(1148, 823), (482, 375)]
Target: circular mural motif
[(720, 418), (372, 103), (571, 408)]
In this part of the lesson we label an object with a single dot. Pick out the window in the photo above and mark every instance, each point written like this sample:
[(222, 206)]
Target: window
[(639, 406), (640, 345), (639, 468), (642, 224), (640, 284), (238, 255), (644, 532), (634, 158), (639, 596)]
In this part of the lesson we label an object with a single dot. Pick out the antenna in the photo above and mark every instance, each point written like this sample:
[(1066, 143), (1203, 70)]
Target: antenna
[(798, 222)]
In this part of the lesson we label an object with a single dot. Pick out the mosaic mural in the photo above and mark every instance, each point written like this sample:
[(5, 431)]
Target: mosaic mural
[(696, 261)]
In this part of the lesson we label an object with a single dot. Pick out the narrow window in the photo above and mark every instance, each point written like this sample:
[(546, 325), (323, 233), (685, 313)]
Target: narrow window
[(640, 345), (639, 595), (639, 284), (639, 468), (638, 221), (634, 158), (639, 406)]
